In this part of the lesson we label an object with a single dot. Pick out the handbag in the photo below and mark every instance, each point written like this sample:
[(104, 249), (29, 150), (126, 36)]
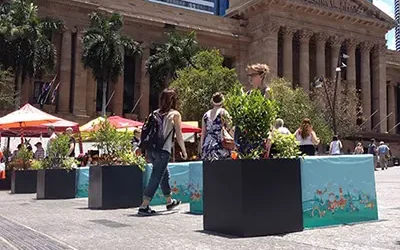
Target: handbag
[(227, 140)]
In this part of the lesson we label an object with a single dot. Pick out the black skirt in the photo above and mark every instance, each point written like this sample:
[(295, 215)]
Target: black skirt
[(307, 149)]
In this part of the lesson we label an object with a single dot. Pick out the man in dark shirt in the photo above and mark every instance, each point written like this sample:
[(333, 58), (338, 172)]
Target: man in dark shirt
[(372, 151), (71, 152)]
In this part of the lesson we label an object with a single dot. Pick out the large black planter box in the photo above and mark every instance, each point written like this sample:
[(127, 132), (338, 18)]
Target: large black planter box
[(56, 184), (252, 197), (23, 181), (5, 184), (112, 187)]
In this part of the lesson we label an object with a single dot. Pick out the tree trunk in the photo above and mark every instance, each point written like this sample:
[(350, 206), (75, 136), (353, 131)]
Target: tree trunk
[(104, 99), (17, 88)]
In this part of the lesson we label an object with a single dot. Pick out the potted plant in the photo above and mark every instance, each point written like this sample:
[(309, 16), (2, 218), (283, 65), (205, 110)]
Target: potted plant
[(117, 180), (56, 178), (252, 196), (24, 172)]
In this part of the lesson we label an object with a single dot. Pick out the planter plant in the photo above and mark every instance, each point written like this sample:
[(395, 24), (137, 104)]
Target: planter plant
[(117, 179), (257, 196), (56, 177), (24, 172)]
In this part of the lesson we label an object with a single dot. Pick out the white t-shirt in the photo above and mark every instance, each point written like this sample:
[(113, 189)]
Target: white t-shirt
[(335, 147), (283, 130)]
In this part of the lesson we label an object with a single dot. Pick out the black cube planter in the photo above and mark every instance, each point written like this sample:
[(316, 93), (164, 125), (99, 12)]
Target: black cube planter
[(112, 187), (23, 181), (5, 184), (248, 198), (56, 184)]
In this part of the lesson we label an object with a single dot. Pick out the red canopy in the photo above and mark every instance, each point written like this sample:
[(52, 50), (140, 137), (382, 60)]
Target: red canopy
[(29, 118), (186, 128), (120, 122)]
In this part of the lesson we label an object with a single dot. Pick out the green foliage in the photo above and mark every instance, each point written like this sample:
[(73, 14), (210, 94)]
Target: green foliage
[(36, 165), (287, 146), (7, 93), (22, 160), (25, 40), (196, 84), (295, 105), (252, 115), (175, 54), (57, 154), (346, 107), (115, 146), (104, 48)]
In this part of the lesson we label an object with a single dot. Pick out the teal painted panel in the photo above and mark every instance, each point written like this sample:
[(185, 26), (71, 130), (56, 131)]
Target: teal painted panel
[(196, 187), (338, 190), (82, 187), (179, 178)]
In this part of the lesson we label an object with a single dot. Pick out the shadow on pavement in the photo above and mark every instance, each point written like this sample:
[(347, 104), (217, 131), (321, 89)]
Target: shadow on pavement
[(217, 234)]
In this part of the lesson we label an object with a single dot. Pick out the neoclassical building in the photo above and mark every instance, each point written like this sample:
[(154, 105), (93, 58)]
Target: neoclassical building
[(298, 39)]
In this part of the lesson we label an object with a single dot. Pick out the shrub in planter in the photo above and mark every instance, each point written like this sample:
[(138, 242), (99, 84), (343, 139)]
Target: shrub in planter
[(117, 180), (257, 196), (23, 175), (57, 177)]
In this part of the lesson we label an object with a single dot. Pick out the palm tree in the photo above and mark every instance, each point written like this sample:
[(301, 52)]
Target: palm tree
[(27, 41), (175, 54), (104, 48)]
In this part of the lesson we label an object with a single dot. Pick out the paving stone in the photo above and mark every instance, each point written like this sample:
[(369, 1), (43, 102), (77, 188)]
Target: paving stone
[(70, 221)]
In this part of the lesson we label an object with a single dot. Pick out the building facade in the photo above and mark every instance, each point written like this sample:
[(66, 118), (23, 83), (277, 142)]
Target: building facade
[(298, 39)]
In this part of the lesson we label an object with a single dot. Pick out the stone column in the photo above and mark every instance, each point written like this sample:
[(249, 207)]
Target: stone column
[(270, 47), (391, 98), (320, 40), (288, 53), (65, 73), (91, 94), (304, 39), (80, 85), (336, 43), (144, 84), (351, 45), (365, 79), (118, 98), (379, 86)]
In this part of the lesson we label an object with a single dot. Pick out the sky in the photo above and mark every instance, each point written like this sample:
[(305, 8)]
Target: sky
[(387, 6)]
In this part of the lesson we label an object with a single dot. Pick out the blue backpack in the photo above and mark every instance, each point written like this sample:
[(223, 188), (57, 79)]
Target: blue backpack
[(152, 137)]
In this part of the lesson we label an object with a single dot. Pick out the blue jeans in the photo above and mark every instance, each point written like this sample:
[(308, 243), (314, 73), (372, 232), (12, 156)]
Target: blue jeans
[(159, 175)]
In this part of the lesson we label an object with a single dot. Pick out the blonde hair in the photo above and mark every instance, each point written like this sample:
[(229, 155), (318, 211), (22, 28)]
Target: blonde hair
[(261, 69)]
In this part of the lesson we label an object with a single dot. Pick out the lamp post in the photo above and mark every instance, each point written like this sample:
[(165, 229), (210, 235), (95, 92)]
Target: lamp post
[(320, 83)]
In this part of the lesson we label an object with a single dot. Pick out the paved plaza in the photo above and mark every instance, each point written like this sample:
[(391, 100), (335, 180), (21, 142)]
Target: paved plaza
[(26, 223)]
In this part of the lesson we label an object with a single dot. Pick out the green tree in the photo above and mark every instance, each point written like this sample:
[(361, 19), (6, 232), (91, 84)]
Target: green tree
[(26, 41), (196, 84), (175, 54), (346, 107), (295, 105), (105, 48)]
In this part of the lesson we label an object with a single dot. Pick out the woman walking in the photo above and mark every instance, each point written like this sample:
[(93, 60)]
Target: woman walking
[(307, 137), (159, 158), (215, 123)]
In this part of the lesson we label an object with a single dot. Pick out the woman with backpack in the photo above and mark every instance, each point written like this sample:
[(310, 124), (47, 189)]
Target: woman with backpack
[(158, 139)]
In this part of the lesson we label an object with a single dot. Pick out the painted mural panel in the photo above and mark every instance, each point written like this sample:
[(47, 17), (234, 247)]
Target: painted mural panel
[(338, 190)]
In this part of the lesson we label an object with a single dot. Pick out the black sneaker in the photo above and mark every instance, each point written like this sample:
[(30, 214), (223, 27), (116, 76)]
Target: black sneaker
[(173, 204), (146, 211)]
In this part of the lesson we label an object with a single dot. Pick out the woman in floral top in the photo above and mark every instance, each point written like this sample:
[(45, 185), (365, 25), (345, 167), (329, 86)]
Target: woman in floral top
[(213, 123)]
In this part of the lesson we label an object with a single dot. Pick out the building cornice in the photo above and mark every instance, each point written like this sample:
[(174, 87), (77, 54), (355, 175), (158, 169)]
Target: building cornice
[(358, 12)]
